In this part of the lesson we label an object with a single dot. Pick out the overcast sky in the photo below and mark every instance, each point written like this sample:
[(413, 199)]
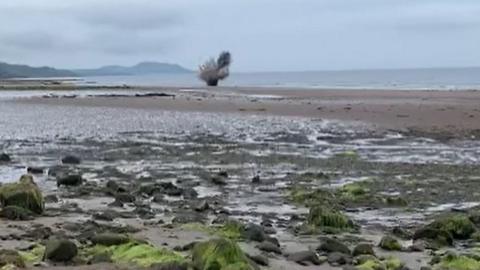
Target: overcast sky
[(263, 35)]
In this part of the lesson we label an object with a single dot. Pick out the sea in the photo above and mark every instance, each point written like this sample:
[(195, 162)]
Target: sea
[(409, 79)]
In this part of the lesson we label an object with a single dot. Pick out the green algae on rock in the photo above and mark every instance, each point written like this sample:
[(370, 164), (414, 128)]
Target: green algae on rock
[(329, 219), (231, 229), (459, 226), (391, 263), (13, 212), (24, 194), (143, 255), (34, 255), (390, 243), (220, 254), (110, 239), (455, 262), (304, 196), (11, 257)]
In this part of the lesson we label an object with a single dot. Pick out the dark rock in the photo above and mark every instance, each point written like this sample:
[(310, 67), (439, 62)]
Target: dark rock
[(69, 180), (116, 203), (5, 158), (269, 247), (259, 259), (305, 257), (223, 174), (256, 179), (402, 233), (35, 170), (333, 245), (219, 180), (390, 243), (170, 189), (435, 237), (189, 217), (338, 258), (272, 240), (363, 249), (71, 160), (105, 215), (16, 213), (190, 193), (52, 198), (202, 206), (254, 232), (109, 239), (158, 198), (144, 213), (60, 250), (125, 197)]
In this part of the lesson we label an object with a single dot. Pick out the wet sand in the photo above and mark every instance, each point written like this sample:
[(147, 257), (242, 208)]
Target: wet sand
[(443, 114)]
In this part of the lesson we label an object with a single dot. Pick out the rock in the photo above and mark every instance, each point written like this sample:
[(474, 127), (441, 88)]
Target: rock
[(35, 170), (305, 257), (170, 189), (107, 215), (5, 158), (52, 198), (169, 266), (269, 247), (254, 232), (425, 268), (328, 218), (395, 201), (24, 194), (110, 239), (60, 250), (259, 259), (112, 186), (223, 174), (256, 179), (13, 212), (69, 180), (363, 249), (144, 212), (218, 180), (202, 206), (116, 203), (390, 243), (125, 197), (459, 226), (333, 245), (402, 233), (435, 238), (220, 254), (11, 257), (189, 217), (190, 194), (338, 258), (73, 160), (272, 240)]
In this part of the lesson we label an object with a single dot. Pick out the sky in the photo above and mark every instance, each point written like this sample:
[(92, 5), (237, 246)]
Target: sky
[(262, 35)]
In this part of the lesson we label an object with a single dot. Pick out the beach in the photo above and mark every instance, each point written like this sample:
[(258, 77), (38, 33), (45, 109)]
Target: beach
[(443, 114), (297, 178)]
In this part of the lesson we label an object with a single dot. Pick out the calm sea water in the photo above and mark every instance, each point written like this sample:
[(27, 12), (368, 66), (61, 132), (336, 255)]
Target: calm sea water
[(442, 79)]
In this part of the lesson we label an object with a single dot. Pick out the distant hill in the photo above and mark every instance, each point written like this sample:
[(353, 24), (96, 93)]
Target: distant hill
[(139, 69), (24, 71)]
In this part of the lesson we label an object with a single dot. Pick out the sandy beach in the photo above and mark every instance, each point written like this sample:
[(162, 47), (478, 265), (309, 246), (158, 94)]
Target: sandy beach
[(296, 179), (441, 114)]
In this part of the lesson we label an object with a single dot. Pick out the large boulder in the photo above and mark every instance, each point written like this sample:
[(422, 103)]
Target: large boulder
[(69, 180), (333, 245), (71, 160), (390, 243), (60, 250), (13, 212), (110, 239), (4, 158), (24, 194), (220, 254)]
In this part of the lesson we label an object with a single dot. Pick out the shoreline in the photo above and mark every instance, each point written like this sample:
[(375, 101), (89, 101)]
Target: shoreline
[(442, 115)]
